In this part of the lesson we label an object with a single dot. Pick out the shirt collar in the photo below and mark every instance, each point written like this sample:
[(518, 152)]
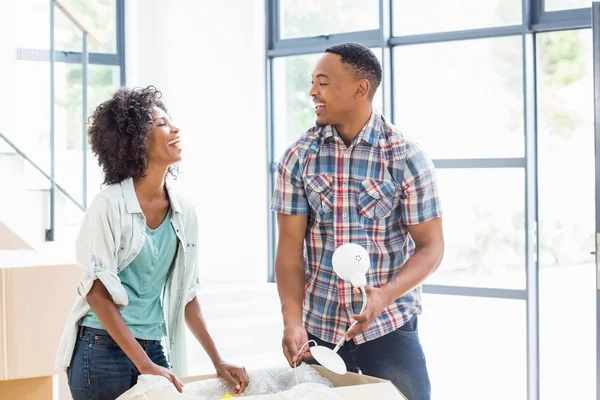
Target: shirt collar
[(369, 133), (132, 203)]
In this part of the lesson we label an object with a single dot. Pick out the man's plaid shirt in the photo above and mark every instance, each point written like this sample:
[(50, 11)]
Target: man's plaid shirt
[(365, 194)]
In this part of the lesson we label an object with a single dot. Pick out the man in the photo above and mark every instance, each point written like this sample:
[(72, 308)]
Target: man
[(353, 178)]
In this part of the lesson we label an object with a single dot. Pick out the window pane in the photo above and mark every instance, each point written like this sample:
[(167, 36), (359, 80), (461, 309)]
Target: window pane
[(484, 228), (34, 136), (462, 99), (293, 111), (428, 16), (70, 131), (556, 5), (98, 16), (313, 18), (566, 167), (475, 347)]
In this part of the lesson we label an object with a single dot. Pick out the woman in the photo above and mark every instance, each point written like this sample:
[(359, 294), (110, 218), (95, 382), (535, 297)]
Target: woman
[(138, 244)]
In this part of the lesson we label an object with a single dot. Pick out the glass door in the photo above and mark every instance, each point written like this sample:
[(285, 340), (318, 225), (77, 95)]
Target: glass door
[(596, 67)]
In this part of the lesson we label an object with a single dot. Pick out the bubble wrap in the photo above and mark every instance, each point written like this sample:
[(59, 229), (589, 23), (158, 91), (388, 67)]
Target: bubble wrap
[(146, 383), (303, 383), (310, 391)]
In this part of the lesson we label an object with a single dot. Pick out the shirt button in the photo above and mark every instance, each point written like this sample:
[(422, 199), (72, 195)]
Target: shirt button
[(345, 155), (344, 186), (344, 215), (348, 305)]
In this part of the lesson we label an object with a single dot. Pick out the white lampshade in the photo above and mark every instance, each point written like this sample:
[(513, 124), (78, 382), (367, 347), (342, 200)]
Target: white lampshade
[(351, 262), (329, 359)]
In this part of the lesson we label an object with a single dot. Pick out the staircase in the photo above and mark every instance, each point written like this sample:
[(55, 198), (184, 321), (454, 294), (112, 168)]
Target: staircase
[(25, 207)]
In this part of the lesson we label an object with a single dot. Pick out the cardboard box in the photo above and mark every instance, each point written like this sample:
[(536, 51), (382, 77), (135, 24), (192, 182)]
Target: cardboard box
[(350, 386), (35, 301)]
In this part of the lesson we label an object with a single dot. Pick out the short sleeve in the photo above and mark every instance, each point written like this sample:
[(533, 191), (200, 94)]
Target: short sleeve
[(420, 200), (96, 250), (289, 196)]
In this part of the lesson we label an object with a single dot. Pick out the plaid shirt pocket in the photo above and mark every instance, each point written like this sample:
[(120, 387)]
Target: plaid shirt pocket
[(376, 198), (319, 193)]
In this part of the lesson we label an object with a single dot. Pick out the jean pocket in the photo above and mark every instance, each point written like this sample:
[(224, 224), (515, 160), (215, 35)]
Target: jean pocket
[(376, 199), (104, 341)]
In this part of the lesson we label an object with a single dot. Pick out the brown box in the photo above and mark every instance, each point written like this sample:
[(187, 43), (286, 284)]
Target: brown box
[(35, 303), (36, 296)]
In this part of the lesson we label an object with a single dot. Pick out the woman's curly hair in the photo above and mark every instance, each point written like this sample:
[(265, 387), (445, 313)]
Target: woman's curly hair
[(118, 130)]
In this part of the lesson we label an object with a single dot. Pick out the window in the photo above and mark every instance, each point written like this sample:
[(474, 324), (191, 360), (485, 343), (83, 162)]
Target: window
[(105, 73), (430, 16), (566, 213), (312, 18), (103, 80), (462, 99), (556, 5), (484, 228), (97, 16)]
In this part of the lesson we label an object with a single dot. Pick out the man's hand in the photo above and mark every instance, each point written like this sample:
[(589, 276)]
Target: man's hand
[(294, 337), (376, 303), (233, 374), (154, 369)]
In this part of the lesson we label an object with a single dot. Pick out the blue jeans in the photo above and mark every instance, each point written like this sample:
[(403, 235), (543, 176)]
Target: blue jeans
[(100, 370), (397, 357)]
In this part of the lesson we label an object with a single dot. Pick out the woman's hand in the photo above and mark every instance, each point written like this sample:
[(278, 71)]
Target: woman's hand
[(233, 374), (153, 369)]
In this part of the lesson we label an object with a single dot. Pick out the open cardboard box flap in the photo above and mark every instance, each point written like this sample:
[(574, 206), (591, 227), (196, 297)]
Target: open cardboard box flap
[(350, 386)]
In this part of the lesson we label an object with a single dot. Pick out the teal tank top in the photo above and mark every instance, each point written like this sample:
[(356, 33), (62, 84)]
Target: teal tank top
[(144, 280)]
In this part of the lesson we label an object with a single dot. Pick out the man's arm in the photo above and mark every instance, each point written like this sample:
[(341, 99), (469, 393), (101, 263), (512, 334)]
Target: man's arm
[(291, 206), (429, 250), (422, 216), (289, 266), (289, 271)]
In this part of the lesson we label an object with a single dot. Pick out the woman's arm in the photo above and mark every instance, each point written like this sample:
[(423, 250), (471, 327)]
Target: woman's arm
[(105, 309), (235, 375)]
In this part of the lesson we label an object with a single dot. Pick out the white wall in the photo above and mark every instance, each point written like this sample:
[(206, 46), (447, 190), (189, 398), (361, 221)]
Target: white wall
[(208, 57), (7, 77)]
